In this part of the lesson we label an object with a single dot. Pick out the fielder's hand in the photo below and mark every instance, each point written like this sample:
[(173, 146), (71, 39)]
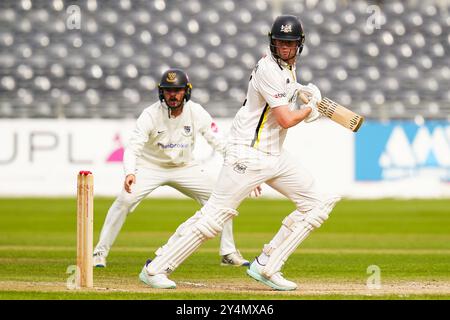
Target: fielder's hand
[(129, 180)]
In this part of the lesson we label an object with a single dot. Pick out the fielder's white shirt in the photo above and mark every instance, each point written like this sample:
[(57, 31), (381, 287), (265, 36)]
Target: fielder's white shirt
[(168, 142), (271, 85)]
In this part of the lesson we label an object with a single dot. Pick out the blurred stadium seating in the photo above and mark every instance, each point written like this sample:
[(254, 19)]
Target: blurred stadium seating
[(111, 66)]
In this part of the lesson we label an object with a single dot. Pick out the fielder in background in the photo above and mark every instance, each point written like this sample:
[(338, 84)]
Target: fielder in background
[(160, 152), (254, 156)]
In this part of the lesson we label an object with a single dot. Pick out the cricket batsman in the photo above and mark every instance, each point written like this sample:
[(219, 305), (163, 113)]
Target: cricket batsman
[(255, 155), (160, 152)]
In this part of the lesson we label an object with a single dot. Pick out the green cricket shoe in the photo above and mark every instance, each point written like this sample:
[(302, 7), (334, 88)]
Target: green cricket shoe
[(276, 281)]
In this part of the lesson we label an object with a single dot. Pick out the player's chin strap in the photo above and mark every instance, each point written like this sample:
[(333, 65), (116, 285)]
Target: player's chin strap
[(169, 109), (280, 61), (300, 227)]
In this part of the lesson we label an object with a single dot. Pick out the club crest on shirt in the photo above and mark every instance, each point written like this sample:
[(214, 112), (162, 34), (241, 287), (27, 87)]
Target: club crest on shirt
[(240, 168), (187, 130)]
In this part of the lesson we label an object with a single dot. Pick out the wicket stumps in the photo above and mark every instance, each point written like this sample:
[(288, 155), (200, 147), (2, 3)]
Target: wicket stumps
[(85, 229)]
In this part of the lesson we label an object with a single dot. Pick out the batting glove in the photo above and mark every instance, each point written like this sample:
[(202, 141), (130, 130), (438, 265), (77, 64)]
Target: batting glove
[(312, 93), (315, 114)]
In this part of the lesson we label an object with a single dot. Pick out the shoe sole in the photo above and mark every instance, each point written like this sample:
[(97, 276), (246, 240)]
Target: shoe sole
[(267, 282), (143, 278), (234, 265), (100, 266)]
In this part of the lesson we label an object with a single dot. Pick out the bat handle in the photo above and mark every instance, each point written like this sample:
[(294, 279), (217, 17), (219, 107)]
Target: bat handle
[(304, 98)]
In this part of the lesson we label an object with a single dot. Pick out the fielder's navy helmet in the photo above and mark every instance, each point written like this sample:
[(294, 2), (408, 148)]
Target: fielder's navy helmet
[(175, 78)]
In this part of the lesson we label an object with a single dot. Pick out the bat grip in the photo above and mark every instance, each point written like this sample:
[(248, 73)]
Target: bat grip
[(303, 97)]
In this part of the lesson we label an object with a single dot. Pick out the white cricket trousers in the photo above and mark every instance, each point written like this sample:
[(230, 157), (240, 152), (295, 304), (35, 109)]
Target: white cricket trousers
[(245, 168), (191, 180)]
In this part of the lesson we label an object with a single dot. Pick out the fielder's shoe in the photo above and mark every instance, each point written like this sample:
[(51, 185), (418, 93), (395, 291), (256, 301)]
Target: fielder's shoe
[(99, 260), (234, 259), (276, 281), (158, 281)]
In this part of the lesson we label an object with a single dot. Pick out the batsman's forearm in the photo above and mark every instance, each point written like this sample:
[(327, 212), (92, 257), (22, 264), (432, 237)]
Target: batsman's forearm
[(296, 116)]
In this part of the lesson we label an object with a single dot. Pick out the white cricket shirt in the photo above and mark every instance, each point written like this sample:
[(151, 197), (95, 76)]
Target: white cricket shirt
[(168, 142), (271, 85)]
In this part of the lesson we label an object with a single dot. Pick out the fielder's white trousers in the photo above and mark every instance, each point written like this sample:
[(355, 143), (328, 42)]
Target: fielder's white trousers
[(190, 180)]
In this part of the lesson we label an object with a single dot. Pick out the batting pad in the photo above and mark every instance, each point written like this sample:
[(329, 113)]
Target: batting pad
[(207, 227), (300, 230)]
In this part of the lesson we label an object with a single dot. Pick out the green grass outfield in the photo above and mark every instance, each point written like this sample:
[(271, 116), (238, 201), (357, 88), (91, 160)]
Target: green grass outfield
[(409, 241)]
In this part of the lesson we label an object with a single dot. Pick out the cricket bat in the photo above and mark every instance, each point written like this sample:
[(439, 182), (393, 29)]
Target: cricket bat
[(337, 113)]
